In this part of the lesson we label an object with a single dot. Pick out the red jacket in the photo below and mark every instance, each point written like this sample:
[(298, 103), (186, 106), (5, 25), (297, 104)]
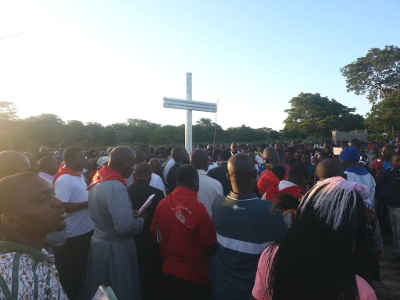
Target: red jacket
[(268, 185), (185, 231)]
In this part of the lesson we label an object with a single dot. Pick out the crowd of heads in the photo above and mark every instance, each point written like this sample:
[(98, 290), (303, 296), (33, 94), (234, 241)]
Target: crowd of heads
[(330, 223), (302, 164), (308, 163)]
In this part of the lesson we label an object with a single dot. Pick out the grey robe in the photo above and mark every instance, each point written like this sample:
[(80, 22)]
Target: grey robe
[(112, 257)]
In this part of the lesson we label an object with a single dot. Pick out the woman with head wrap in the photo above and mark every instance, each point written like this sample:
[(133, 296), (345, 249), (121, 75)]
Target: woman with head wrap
[(317, 259)]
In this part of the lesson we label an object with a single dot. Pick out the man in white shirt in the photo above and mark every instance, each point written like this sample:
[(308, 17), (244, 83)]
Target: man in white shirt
[(70, 188), (170, 163), (209, 189), (48, 168), (157, 182)]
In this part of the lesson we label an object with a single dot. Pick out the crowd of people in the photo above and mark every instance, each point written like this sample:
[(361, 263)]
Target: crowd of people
[(264, 222)]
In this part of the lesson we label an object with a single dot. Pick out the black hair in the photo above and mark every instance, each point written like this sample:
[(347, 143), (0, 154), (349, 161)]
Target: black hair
[(279, 171), (120, 158), (199, 160), (298, 173), (316, 260), (180, 155), (218, 155), (270, 155), (187, 176), (156, 166), (10, 187), (71, 154), (46, 164), (142, 170), (329, 167), (140, 157), (286, 201), (244, 172)]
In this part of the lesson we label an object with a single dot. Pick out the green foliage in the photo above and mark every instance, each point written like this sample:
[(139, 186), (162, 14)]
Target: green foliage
[(376, 75), (50, 130), (313, 115), (47, 129), (385, 115), (204, 130)]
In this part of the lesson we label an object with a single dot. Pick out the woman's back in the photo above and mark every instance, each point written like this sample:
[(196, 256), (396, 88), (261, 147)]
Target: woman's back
[(261, 285), (317, 259)]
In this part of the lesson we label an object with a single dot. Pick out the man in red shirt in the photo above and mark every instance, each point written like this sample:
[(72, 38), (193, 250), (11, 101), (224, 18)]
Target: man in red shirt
[(187, 239)]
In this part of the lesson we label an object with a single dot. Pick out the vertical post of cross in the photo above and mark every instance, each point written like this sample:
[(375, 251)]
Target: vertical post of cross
[(188, 125)]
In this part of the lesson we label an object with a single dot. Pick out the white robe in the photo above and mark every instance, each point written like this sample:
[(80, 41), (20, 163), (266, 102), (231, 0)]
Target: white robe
[(112, 257)]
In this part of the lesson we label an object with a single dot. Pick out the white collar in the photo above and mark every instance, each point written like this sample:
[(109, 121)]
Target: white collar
[(202, 172), (284, 184)]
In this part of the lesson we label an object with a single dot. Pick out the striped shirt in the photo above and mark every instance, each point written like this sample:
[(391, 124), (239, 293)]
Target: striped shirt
[(245, 226), (27, 273)]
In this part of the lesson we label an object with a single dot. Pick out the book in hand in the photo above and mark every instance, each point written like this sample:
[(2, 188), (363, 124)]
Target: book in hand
[(146, 204), (104, 293)]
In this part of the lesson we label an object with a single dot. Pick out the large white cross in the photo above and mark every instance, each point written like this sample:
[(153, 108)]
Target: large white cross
[(189, 105)]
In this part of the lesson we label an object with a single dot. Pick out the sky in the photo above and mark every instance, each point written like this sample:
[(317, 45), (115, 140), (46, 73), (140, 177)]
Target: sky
[(107, 61)]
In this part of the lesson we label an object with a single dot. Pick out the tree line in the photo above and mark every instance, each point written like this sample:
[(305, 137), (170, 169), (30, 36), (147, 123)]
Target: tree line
[(311, 116), (51, 131)]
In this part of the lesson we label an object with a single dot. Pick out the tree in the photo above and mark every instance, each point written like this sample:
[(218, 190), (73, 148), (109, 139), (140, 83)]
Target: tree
[(385, 115), (311, 114), (122, 132), (8, 111), (376, 75), (272, 135), (204, 130), (141, 130), (74, 133), (205, 122), (49, 119), (142, 123), (8, 125), (168, 135), (45, 129)]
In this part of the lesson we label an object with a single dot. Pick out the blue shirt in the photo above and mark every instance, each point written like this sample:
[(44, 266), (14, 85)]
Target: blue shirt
[(245, 226)]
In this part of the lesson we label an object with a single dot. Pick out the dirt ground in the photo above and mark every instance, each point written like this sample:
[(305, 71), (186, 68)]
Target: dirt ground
[(389, 287)]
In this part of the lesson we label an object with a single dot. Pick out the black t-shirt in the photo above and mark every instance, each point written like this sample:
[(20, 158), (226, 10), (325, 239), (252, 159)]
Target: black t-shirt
[(220, 174), (171, 179)]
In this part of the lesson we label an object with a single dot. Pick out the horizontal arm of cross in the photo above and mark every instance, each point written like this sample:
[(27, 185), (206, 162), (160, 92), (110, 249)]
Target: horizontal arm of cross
[(190, 105)]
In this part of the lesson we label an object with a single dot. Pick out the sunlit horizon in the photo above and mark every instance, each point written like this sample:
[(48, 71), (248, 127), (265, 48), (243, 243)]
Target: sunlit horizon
[(106, 61)]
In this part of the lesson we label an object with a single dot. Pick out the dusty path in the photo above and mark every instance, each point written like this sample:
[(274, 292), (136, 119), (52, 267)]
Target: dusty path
[(389, 288)]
